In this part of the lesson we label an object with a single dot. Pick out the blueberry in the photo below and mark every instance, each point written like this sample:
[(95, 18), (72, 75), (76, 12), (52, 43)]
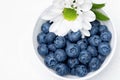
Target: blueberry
[(84, 57), (95, 23), (94, 30), (82, 45), (104, 49), (52, 47), (45, 27), (73, 71), (94, 64), (106, 36), (103, 28), (50, 37), (72, 62), (72, 50), (50, 61), (42, 49), (92, 50), (61, 69), (41, 38), (59, 42), (60, 55), (94, 40), (101, 58), (81, 71), (74, 36)]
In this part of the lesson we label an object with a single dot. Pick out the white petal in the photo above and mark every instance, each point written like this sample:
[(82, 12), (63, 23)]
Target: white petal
[(99, 1), (85, 32), (50, 13), (86, 25), (58, 3), (86, 6), (80, 2), (89, 16)]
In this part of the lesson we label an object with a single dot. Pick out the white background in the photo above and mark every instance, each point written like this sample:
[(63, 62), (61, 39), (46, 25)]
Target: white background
[(18, 60)]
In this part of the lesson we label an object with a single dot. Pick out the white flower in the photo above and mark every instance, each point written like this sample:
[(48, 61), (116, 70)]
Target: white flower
[(69, 15)]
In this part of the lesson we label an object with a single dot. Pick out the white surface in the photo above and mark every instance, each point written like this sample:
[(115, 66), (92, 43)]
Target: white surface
[(18, 60)]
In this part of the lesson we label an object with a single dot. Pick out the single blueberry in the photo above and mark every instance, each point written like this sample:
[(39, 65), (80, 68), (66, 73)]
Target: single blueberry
[(94, 30), (42, 49), (72, 62), (60, 55), (59, 42), (95, 23), (92, 50), (104, 48), (74, 36), (84, 57), (72, 50), (106, 36), (94, 40), (52, 47), (41, 38), (101, 58), (94, 64), (50, 60), (45, 27), (73, 71), (50, 37), (82, 45), (81, 71), (103, 28), (62, 69)]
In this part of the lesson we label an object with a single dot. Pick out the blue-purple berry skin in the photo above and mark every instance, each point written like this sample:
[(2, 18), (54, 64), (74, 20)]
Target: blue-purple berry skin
[(103, 28), (82, 45), (81, 70), (72, 62), (60, 55), (52, 47), (106, 36), (72, 50), (95, 40), (94, 64), (84, 57), (74, 36), (45, 27), (41, 38), (104, 48), (94, 30), (101, 58), (92, 50), (42, 50), (50, 37), (95, 23), (73, 71), (60, 42), (50, 61), (62, 69)]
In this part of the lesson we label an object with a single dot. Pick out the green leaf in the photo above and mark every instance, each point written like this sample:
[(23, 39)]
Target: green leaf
[(97, 6), (100, 16)]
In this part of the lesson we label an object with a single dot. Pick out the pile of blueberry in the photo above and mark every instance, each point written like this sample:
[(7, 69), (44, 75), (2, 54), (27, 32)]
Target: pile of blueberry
[(71, 54)]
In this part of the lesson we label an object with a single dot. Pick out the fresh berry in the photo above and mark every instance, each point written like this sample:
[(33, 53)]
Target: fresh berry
[(59, 42), (92, 50), (42, 49), (73, 71), (103, 28), (101, 58), (84, 57), (50, 37), (104, 49), (72, 62), (50, 60), (41, 38), (106, 36), (61, 69), (82, 45), (95, 23), (94, 30), (94, 40), (81, 71), (74, 36), (45, 27), (94, 64), (60, 55), (52, 47)]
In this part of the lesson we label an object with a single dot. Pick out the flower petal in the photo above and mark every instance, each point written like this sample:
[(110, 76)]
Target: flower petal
[(85, 32), (89, 16), (80, 2), (86, 6), (99, 1), (50, 13), (86, 25)]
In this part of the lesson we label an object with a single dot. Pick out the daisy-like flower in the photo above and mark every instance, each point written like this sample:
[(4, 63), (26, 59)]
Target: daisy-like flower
[(70, 15)]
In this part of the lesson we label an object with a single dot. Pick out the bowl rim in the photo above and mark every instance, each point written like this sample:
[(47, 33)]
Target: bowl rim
[(78, 78)]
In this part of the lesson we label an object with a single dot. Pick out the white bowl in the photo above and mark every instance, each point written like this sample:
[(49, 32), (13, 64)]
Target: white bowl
[(37, 30)]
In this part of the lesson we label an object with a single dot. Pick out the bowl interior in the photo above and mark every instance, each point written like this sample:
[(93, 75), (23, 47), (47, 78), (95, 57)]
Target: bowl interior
[(37, 30)]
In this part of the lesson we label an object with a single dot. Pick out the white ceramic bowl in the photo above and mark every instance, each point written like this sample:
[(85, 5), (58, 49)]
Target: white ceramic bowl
[(37, 30)]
